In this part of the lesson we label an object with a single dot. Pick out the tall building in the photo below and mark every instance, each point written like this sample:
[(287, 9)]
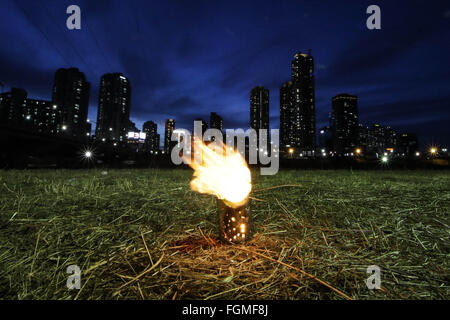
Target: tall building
[(380, 138), (303, 103), (407, 144), (390, 137), (259, 113), (151, 139), (131, 127), (216, 121), (363, 137), (113, 117), (71, 97), (259, 108), (376, 138), (302, 67), (289, 118), (34, 115), (41, 116), (12, 106), (345, 123), (204, 125), (169, 128), (297, 106)]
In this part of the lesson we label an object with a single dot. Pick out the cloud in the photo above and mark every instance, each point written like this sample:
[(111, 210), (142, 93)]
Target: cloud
[(39, 82), (149, 72), (426, 116), (185, 59)]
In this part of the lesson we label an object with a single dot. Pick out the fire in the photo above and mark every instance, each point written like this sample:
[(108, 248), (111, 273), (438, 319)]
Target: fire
[(224, 174)]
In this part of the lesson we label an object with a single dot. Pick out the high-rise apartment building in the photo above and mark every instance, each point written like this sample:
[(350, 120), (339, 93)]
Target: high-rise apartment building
[(12, 107), (289, 118), (168, 130), (259, 108), (20, 112), (302, 76), (113, 117), (151, 140), (71, 98), (216, 121), (297, 106), (345, 124)]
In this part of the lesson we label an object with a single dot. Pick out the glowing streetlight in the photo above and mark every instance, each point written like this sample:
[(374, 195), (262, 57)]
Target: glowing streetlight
[(417, 153), (433, 150), (358, 151), (291, 152), (87, 155), (384, 159), (64, 127)]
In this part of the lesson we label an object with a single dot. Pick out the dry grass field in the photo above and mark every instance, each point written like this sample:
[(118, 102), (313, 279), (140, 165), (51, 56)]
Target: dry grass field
[(143, 234)]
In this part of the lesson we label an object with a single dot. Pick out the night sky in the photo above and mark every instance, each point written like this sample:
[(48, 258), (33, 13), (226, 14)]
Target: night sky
[(185, 59)]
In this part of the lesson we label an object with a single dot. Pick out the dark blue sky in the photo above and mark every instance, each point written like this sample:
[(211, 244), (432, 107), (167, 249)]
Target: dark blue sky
[(187, 58)]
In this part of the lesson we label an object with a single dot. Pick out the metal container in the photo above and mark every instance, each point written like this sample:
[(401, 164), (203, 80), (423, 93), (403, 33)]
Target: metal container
[(234, 222)]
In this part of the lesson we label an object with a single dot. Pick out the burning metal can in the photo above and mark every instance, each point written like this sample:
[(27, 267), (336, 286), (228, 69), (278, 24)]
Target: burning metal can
[(234, 222)]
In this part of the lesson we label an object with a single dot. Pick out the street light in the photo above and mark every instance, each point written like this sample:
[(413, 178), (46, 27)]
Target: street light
[(358, 151), (433, 150), (384, 159), (87, 155)]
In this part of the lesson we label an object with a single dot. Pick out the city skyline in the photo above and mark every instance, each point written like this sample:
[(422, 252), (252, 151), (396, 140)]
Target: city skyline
[(187, 74), (253, 154), (66, 115)]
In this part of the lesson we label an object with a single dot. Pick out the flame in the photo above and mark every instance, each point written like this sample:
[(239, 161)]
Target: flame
[(223, 173)]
